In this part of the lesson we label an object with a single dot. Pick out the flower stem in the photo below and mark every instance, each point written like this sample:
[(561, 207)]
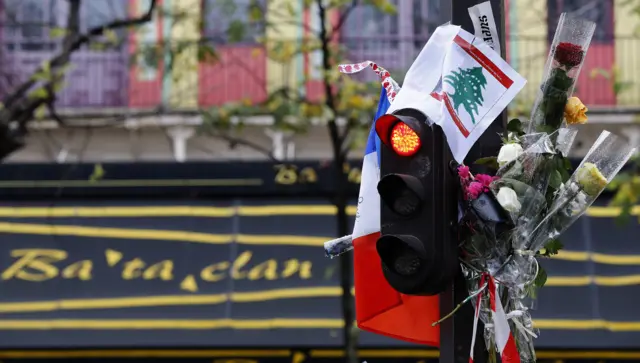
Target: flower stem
[(466, 300)]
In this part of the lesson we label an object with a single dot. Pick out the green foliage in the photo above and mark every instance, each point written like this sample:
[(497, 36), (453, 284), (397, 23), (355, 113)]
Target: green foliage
[(236, 31), (489, 161), (627, 192), (515, 126), (618, 85), (284, 46), (541, 278), (97, 174), (40, 112), (632, 6), (552, 248), (57, 32)]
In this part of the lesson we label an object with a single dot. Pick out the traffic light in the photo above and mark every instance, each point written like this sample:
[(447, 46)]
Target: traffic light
[(416, 255)]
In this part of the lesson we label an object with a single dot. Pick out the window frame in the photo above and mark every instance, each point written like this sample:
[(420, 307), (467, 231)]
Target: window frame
[(604, 33), (220, 37), (13, 37)]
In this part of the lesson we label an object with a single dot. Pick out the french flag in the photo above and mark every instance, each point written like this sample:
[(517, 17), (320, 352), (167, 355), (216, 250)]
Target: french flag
[(379, 308)]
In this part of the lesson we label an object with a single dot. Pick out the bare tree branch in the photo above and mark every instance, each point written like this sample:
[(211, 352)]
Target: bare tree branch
[(235, 141), (73, 41), (343, 18), (19, 109)]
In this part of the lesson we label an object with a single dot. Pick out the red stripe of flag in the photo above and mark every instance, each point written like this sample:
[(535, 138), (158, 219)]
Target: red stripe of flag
[(454, 115), (485, 62)]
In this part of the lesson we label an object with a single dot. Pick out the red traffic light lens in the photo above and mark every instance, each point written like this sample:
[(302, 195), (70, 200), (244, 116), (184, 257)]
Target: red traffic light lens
[(404, 141)]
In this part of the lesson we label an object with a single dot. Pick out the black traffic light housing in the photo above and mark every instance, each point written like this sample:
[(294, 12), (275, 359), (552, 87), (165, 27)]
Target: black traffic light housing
[(417, 254)]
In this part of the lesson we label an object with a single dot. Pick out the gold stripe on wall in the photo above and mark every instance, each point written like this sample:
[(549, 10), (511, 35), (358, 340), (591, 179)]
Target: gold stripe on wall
[(262, 324), (195, 211), (267, 353), (248, 239), (253, 296)]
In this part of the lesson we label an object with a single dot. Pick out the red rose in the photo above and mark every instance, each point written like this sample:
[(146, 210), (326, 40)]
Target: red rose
[(568, 54)]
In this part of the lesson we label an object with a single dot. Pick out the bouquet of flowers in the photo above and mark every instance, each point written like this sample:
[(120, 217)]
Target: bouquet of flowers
[(513, 218), (509, 220)]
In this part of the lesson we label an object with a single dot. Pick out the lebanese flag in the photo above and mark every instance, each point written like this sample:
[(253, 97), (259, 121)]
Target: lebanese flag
[(379, 308)]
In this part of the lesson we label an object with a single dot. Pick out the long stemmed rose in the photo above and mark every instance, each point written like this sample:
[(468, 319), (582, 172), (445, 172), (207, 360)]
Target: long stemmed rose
[(567, 54)]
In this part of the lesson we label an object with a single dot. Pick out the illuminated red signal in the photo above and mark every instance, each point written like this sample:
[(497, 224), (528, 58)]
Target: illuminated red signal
[(404, 141)]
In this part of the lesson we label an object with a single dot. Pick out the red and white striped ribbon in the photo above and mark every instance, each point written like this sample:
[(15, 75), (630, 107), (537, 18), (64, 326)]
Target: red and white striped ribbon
[(388, 83), (504, 340)]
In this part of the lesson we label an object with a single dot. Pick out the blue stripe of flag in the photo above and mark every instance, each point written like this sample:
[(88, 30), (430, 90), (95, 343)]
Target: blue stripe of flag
[(373, 142)]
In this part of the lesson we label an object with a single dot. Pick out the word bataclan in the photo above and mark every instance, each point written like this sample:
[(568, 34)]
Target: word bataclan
[(38, 265)]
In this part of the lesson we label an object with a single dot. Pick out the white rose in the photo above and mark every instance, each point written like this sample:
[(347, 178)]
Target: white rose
[(508, 153), (508, 199)]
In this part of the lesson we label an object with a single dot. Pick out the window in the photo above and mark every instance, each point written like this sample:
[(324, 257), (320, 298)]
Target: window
[(598, 11), (425, 18), (27, 24), (393, 40), (221, 16), (98, 13), (367, 28)]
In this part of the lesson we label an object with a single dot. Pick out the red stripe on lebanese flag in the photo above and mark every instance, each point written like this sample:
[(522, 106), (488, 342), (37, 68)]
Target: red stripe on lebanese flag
[(484, 61), (505, 342)]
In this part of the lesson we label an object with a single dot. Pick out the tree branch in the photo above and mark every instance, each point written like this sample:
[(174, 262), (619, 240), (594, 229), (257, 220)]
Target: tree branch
[(17, 107), (343, 18), (235, 141)]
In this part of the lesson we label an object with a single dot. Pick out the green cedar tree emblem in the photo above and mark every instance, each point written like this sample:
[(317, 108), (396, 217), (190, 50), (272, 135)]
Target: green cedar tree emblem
[(468, 85)]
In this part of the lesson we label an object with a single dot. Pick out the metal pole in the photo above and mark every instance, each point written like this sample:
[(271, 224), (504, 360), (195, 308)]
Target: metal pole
[(456, 332)]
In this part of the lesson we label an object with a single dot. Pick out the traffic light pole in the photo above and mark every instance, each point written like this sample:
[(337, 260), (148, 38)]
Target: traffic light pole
[(456, 332)]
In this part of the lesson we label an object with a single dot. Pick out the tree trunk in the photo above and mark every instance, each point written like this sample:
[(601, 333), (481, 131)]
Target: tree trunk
[(346, 264)]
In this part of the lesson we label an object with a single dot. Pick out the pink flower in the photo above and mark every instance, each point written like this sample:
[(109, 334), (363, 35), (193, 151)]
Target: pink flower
[(463, 172), (484, 179), (474, 189)]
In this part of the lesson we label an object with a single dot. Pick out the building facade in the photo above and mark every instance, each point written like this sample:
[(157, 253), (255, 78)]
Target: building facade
[(144, 72)]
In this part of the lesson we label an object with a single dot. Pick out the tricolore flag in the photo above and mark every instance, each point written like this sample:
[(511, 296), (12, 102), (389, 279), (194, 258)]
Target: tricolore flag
[(379, 308)]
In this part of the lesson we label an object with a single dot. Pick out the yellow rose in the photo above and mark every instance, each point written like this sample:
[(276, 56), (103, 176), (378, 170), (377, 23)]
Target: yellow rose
[(575, 112), (591, 179)]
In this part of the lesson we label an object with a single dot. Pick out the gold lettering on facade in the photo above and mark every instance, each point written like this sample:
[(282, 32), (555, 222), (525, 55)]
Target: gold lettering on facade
[(133, 269), (162, 270), (239, 263), (209, 273), (78, 270), (308, 175), (267, 270), (294, 265), (286, 174), (34, 264)]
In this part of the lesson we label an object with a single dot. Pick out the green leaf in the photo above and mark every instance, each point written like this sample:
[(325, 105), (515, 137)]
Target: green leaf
[(59, 86), (515, 125), (97, 174), (236, 31), (40, 112), (255, 13), (552, 247), (39, 93), (41, 76), (489, 161), (111, 35), (57, 32), (555, 180), (290, 8), (206, 54), (541, 277)]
